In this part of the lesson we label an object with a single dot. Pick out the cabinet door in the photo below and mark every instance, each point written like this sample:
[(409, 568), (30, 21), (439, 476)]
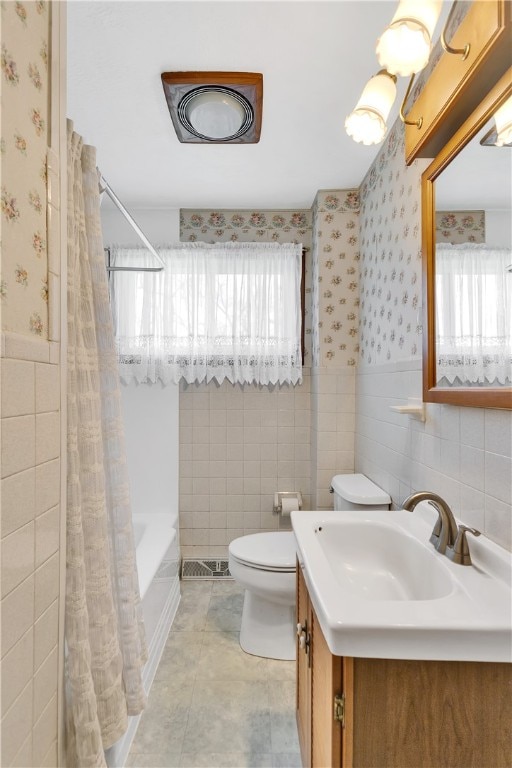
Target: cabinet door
[(303, 711), (326, 682)]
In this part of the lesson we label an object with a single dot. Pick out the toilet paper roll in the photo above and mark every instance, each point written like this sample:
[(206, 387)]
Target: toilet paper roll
[(289, 505)]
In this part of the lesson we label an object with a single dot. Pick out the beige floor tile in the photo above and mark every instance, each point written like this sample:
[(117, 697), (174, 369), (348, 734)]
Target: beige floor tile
[(281, 670), (223, 659), (234, 713), (225, 613), (154, 760), (209, 696), (225, 760), (286, 760), (283, 724), (163, 724)]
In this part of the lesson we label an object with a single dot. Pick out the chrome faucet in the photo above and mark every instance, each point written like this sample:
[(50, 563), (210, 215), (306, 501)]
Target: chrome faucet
[(445, 530)]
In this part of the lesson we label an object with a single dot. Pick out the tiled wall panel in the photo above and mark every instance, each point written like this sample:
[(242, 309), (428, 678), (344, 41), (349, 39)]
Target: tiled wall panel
[(238, 445), (30, 399)]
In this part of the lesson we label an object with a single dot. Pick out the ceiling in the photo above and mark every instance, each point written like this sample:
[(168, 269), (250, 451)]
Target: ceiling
[(315, 58)]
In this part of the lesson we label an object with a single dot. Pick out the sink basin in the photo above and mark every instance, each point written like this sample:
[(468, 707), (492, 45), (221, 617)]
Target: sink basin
[(380, 589), (378, 561)]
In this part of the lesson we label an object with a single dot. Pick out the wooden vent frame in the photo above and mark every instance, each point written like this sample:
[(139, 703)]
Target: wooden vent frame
[(247, 86)]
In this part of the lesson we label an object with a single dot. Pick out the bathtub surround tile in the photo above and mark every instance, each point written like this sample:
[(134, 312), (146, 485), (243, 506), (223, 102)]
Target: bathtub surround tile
[(17, 557), (44, 683), (47, 436), (23, 758), (17, 614), (18, 500), (18, 388), (46, 633), (16, 725), (44, 729), (46, 585), (47, 390), (16, 669), (47, 486), (18, 444)]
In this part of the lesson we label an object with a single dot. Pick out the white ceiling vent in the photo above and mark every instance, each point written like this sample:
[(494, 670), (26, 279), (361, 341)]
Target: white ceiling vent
[(215, 107)]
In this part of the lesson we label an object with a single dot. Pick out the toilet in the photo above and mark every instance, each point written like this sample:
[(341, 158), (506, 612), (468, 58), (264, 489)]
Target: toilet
[(264, 565)]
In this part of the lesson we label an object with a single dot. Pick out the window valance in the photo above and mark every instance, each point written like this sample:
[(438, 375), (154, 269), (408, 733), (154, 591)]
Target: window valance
[(225, 311)]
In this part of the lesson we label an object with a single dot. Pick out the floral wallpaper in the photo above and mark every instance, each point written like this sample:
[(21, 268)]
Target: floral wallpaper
[(24, 62), (460, 227), (265, 226), (390, 231), (335, 279)]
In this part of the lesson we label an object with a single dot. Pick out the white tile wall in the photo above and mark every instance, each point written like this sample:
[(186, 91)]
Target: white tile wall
[(30, 554), (461, 453), (238, 445), (332, 427)]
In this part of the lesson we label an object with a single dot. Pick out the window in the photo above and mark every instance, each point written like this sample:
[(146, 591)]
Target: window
[(226, 311)]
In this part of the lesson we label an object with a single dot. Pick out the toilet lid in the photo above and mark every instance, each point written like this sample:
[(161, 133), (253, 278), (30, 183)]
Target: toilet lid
[(275, 550)]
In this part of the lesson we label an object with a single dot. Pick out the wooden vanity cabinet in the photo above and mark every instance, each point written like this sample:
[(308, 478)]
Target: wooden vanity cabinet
[(392, 713)]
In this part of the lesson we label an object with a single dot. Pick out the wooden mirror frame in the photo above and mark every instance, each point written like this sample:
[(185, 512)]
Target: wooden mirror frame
[(485, 397)]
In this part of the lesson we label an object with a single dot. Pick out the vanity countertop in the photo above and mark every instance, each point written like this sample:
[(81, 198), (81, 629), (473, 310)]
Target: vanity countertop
[(381, 590)]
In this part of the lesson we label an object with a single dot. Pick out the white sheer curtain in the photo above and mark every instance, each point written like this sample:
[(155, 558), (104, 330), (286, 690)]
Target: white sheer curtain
[(226, 311), (473, 314), (105, 638)]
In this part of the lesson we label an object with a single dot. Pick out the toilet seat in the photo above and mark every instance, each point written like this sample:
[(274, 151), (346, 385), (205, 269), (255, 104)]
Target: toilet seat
[(275, 551)]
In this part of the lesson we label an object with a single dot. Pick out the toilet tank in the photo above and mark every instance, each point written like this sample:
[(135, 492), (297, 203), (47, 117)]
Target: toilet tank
[(358, 492)]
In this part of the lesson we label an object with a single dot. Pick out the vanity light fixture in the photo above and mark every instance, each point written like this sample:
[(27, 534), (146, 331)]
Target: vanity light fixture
[(503, 120), (366, 124), (404, 47), (215, 107), (500, 135)]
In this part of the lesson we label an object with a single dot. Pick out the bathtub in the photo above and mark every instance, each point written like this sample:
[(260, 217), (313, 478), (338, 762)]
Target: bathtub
[(154, 535), (158, 558)]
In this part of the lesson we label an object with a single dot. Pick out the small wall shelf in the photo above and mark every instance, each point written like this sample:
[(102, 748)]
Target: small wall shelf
[(414, 408)]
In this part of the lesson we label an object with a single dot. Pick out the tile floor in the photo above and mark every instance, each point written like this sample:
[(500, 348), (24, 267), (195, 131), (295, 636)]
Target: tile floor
[(211, 705)]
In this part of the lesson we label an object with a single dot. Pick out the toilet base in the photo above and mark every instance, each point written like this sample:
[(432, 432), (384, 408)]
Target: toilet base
[(267, 628)]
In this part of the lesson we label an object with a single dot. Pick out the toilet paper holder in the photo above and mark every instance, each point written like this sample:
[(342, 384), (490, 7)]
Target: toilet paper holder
[(291, 495)]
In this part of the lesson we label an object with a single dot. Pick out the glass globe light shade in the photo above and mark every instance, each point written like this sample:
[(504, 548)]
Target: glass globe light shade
[(215, 114), (366, 124), (503, 120), (404, 47)]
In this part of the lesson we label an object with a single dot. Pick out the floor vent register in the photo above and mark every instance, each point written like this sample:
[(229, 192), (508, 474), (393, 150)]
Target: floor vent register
[(204, 569)]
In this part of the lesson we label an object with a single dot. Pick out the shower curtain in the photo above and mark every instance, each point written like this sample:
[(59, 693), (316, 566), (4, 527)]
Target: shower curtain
[(105, 640)]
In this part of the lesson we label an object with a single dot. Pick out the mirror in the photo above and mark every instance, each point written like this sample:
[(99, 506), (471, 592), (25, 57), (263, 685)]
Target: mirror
[(467, 264)]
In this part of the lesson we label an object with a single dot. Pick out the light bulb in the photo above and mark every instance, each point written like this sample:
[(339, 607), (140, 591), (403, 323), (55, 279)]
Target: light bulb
[(366, 124), (503, 120), (404, 47)]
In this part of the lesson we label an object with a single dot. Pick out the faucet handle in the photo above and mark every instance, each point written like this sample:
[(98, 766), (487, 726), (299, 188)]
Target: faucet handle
[(459, 553)]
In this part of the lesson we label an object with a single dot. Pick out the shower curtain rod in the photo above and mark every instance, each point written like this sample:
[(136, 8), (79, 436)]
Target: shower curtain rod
[(105, 187)]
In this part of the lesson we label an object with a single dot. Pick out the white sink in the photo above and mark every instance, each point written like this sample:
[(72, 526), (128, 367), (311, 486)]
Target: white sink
[(380, 589), (379, 561)]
